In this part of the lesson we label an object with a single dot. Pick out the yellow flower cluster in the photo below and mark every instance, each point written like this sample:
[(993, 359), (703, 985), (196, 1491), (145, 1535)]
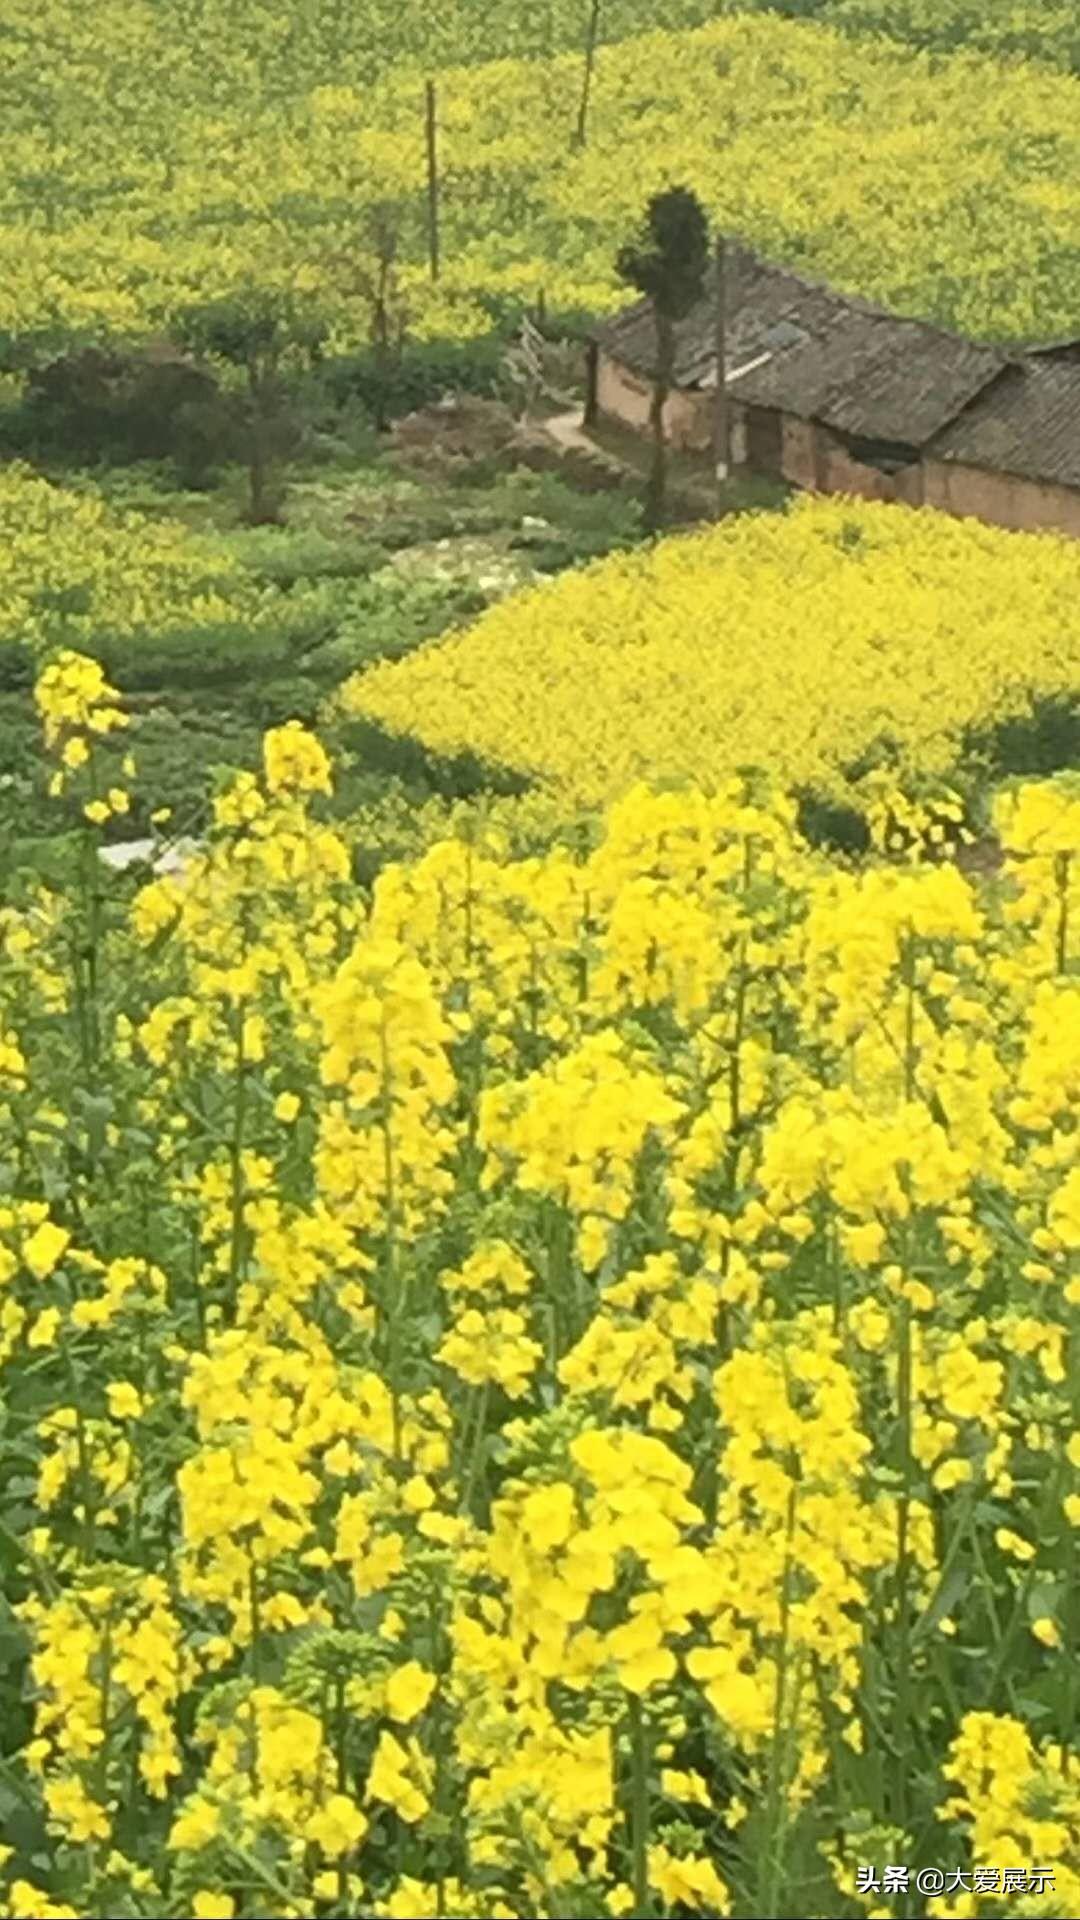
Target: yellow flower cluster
[(918, 180), (549, 1389), (74, 573), (78, 707), (699, 657)]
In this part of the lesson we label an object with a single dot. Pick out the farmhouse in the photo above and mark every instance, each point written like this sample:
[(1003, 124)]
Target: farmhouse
[(832, 393)]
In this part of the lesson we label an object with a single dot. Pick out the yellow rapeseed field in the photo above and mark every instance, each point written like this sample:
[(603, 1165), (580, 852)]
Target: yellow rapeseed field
[(802, 643), (75, 571), (550, 1390), (229, 148)]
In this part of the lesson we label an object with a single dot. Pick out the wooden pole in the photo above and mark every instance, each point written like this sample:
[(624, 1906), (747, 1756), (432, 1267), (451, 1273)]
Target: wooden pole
[(721, 412), (432, 181), (590, 57)]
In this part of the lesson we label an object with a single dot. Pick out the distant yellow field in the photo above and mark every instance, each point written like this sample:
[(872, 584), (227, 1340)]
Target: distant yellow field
[(942, 185), (793, 642)]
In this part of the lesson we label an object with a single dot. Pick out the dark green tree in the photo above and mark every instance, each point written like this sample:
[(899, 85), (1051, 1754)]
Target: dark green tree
[(269, 339), (667, 263)]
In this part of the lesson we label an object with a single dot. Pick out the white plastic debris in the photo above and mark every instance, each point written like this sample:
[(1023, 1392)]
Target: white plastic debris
[(124, 853)]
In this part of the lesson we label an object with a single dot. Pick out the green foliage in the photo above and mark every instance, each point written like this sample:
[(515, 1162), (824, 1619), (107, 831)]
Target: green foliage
[(217, 655), (120, 406), (1041, 30), (387, 616), (254, 328), (462, 776), (836, 829), (268, 334), (284, 555), (1043, 741), (668, 262), (179, 738), (574, 527), (421, 373)]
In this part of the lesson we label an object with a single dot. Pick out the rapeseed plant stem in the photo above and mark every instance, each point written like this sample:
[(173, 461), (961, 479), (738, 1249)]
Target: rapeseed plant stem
[(478, 1446), (639, 1808), (86, 1524), (236, 1166), (773, 1847), (392, 1304), (902, 1724), (1062, 863)]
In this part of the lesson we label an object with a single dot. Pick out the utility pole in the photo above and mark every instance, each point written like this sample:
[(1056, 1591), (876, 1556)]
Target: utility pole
[(590, 56), (721, 419), (432, 182)]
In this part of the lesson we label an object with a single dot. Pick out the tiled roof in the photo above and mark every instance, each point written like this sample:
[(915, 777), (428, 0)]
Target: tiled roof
[(1027, 423), (806, 349)]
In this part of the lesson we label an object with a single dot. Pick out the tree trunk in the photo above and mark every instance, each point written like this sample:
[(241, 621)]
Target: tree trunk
[(385, 240), (586, 83), (432, 180), (381, 341), (264, 501), (656, 492)]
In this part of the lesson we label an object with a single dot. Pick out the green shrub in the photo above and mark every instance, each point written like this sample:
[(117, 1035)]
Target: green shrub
[(283, 556), (416, 526), (547, 496), (387, 616), (835, 829), (341, 435), (200, 656), (1043, 741), (176, 748), (274, 702), (53, 859), (112, 405), (419, 376), (456, 777)]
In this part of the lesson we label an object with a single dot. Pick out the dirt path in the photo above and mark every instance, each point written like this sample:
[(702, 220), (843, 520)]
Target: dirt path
[(623, 456)]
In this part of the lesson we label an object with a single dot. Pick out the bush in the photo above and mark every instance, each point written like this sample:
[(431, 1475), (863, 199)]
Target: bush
[(195, 657), (340, 434), (277, 701), (418, 376), (1043, 741), (574, 527), (104, 404), (455, 776), (835, 829), (283, 556), (387, 616)]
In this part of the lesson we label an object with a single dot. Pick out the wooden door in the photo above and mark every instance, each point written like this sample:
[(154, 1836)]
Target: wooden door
[(764, 440)]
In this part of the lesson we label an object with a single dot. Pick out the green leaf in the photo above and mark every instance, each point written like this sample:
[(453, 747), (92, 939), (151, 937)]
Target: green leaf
[(951, 1590)]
